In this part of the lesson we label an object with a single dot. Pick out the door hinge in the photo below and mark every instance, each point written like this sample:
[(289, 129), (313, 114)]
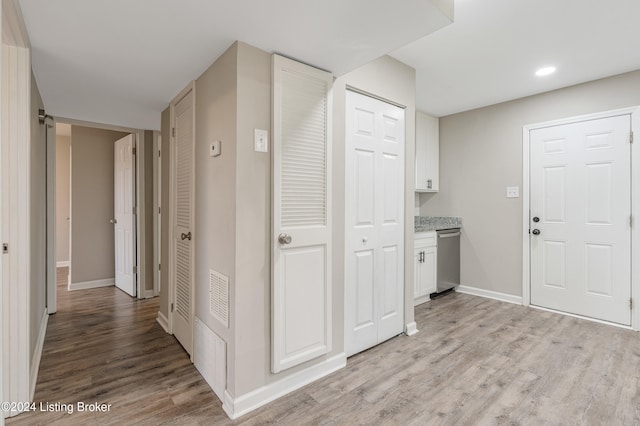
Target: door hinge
[(135, 269), (158, 153), (630, 303), (631, 136), (159, 266), (133, 150), (631, 220), (172, 307), (159, 210), (173, 132), (5, 248)]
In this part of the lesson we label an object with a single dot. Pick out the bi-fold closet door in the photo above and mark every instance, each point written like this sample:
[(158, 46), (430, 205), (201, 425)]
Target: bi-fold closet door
[(374, 221)]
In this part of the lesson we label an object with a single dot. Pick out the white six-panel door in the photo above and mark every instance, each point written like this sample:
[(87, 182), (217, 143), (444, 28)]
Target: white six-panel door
[(580, 218), (374, 223), (182, 205), (123, 214)]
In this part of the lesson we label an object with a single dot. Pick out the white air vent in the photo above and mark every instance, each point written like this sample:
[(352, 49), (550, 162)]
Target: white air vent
[(219, 296)]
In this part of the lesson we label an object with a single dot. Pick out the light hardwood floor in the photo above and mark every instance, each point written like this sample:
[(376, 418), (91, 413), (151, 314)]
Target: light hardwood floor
[(474, 361)]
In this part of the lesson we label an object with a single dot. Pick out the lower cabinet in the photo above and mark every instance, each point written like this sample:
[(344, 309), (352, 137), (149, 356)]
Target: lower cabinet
[(425, 263)]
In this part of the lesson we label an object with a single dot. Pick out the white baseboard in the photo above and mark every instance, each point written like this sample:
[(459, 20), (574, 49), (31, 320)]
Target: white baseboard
[(148, 294), (37, 355), (509, 298), (163, 321), (236, 407), (92, 284), (62, 263), (411, 329)]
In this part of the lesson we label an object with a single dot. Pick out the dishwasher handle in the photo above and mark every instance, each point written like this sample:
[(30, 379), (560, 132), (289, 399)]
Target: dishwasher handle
[(449, 235)]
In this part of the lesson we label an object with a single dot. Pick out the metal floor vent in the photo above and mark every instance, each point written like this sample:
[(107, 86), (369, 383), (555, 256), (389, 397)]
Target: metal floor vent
[(219, 296)]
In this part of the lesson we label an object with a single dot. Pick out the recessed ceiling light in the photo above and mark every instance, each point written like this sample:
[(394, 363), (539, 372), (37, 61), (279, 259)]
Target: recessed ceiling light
[(545, 71)]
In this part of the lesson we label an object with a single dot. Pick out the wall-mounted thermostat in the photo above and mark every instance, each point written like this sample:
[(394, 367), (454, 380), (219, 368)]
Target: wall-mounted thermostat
[(215, 148)]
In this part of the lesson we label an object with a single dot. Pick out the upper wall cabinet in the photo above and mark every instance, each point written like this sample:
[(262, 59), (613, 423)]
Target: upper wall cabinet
[(427, 153)]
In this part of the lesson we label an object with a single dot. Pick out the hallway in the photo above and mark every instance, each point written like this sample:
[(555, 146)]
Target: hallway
[(104, 346)]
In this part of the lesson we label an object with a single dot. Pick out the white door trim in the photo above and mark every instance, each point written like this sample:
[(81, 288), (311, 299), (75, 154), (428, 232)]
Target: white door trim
[(15, 144), (157, 213), (635, 202), (50, 129)]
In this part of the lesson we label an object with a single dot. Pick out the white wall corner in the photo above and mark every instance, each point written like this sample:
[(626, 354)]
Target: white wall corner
[(163, 321), (503, 297), (37, 355), (411, 328), (239, 406)]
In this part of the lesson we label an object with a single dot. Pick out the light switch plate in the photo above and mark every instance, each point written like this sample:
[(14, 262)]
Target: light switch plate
[(215, 148), (261, 141), (513, 191)]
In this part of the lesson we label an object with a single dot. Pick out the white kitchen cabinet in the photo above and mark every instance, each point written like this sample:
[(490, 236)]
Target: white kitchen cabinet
[(427, 153), (425, 263)]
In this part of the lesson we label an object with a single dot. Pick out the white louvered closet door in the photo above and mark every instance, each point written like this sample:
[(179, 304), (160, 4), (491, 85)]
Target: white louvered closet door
[(301, 249), (183, 243)]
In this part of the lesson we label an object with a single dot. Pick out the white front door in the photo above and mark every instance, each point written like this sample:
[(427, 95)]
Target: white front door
[(301, 237), (374, 224), (124, 215), (580, 218), (183, 145)]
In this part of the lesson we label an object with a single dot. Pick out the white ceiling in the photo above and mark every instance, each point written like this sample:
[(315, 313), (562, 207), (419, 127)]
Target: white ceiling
[(121, 61), (491, 51)]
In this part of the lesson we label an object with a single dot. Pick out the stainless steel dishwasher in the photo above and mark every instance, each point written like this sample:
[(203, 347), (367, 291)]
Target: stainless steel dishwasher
[(448, 271)]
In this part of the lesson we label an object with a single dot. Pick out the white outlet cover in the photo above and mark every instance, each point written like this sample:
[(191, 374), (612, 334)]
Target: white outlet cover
[(261, 140), (513, 191)]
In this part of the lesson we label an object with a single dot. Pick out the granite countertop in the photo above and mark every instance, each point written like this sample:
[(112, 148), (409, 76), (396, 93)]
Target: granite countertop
[(436, 223)]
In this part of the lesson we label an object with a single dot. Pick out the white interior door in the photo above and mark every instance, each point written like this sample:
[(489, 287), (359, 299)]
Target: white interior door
[(182, 219), (124, 217), (301, 247), (374, 224), (580, 218)]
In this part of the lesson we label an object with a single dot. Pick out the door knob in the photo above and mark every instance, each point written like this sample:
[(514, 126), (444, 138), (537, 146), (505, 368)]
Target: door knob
[(536, 219), (186, 236), (536, 232), (284, 239), (364, 240), (111, 221)]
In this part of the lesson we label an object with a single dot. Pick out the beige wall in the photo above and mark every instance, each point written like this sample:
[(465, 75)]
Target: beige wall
[(393, 81), (481, 154), (92, 246), (38, 210), (233, 201), (253, 224), (63, 170), (164, 238), (215, 236)]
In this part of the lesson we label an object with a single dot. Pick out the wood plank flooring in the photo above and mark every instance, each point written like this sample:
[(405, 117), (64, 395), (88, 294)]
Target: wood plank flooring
[(474, 361)]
